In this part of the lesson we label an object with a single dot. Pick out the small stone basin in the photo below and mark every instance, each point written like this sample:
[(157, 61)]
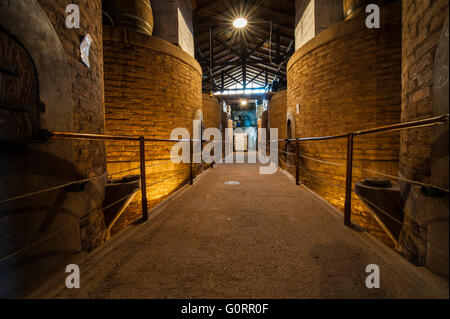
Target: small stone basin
[(118, 195), (384, 202)]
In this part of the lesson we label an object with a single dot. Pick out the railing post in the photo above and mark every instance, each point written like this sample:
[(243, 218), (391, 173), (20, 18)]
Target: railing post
[(214, 152), (201, 150), (214, 155), (348, 181), (191, 182), (143, 179), (297, 160)]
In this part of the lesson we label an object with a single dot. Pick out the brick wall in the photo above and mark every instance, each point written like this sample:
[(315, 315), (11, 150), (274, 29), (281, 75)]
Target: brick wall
[(277, 118), (87, 83), (87, 96), (263, 123), (55, 225), (211, 111), (223, 121), (422, 26), (345, 79), (151, 87), (264, 119), (87, 104), (277, 112)]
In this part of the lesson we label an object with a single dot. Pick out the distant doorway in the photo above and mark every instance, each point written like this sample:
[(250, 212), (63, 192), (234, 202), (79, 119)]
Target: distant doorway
[(289, 148)]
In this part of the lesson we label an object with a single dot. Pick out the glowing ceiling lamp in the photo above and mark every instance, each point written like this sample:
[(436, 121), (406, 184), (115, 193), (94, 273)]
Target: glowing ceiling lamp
[(244, 105), (240, 23)]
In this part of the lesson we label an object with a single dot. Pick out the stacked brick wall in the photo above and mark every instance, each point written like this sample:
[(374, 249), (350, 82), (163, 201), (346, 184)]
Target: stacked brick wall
[(211, 111), (263, 122), (423, 22), (422, 26), (212, 117), (277, 112), (223, 121), (87, 83), (346, 79), (151, 88), (265, 119), (55, 225), (87, 103)]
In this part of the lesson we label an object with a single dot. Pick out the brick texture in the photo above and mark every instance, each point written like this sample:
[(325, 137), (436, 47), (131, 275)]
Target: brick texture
[(223, 121), (422, 25), (211, 111), (44, 232), (87, 83), (148, 92), (342, 84), (277, 113), (88, 102), (277, 118)]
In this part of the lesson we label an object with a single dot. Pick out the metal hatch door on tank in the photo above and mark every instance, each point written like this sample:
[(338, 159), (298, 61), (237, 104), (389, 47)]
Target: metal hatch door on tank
[(19, 94)]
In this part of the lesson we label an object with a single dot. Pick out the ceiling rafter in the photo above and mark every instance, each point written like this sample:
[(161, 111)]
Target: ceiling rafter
[(244, 56)]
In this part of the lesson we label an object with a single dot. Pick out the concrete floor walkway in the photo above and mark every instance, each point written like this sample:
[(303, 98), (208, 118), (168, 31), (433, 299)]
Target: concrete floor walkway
[(264, 238)]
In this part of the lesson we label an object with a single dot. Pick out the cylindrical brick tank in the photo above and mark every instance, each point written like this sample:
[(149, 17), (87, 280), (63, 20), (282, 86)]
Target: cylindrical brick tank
[(223, 121), (354, 8), (264, 120), (277, 111), (279, 119), (136, 15), (424, 152), (151, 88), (42, 233), (211, 111), (348, 78)]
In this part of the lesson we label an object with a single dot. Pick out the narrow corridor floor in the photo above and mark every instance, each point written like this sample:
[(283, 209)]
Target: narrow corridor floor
[(263, 238)]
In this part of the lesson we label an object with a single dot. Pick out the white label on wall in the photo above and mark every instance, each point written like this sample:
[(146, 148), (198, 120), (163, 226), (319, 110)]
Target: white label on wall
[(85, 46)]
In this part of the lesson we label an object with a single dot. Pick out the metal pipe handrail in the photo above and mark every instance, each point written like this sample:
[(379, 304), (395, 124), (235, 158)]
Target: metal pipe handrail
[(331, 137), (88, 136), (142, 140), (438, 120), (392, 127), (443, 119)]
